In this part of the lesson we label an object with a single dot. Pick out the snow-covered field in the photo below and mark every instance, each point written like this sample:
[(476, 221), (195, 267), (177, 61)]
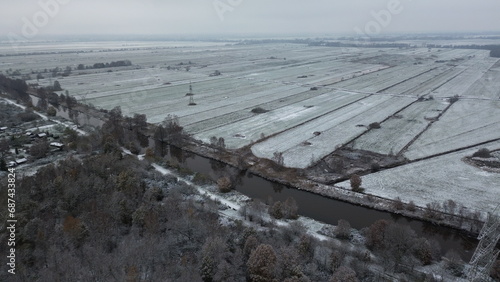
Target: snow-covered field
[(336, 129), (438, 179), (466, 123), (398, 131), (315, 99), (238, 134)]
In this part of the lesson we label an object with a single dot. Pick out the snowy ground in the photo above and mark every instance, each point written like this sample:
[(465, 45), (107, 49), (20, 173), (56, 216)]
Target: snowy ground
[(398, 131), (336, 128), (45, 117), (438, 179), (317, 98), (234, 201), (466, 123)]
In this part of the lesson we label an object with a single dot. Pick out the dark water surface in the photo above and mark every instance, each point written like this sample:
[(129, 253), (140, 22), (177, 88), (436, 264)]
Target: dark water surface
[(81, 118), (321, 208), (310, 205)]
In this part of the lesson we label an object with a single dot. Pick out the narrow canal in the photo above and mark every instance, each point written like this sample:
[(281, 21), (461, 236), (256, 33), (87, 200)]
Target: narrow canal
[(321, 208), (310, 205)]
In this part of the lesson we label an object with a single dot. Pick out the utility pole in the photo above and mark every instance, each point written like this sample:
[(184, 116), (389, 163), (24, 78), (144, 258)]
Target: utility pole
[(191, 95), (485, 254)]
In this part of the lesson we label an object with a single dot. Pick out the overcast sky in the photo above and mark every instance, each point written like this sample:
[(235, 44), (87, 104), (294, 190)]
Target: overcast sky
[(287, 17)]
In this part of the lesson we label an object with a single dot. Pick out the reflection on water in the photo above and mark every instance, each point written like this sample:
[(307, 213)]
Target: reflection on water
[(310, 205), (73, 115), (321, 208)]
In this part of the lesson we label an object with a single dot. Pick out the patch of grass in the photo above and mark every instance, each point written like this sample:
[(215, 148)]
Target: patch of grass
[(482, 153), (202, 179), (375, 125), (259, 110)]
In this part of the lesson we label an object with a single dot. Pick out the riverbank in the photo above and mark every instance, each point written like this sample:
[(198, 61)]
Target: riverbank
[(243, 159), (321, 205)]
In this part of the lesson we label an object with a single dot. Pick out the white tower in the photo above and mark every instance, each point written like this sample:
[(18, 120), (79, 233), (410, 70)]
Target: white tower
[(485, 254)]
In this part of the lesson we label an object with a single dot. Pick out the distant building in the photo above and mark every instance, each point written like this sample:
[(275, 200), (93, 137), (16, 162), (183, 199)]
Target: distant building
[(57, 145), (21, 161), (42, 135), (3, 128)]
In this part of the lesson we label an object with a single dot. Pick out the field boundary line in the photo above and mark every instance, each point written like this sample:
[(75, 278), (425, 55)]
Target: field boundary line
[(453, 151), (403, 81), (309, 120)]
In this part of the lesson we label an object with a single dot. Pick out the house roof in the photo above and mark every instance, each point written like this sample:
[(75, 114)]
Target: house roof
[(21, 161), (56, 144)]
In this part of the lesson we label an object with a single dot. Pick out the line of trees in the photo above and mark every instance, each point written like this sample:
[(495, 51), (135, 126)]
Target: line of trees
[(107, 216), (16, 87), (494, 49), (169, 132), (119, 130), (495, 53), (121, 63)]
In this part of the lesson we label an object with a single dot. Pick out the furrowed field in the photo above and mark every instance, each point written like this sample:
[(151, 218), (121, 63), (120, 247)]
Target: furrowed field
[(430, 107)]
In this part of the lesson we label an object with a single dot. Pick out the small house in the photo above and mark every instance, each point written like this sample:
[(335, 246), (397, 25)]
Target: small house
[(57, 145), (21, 161)]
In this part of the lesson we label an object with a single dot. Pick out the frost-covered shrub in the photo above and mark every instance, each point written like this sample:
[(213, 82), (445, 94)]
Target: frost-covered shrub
[(285, 210), (454, 99), (374, 125), (375, 166), (398, 204), (356, 183), (482, 153), (259, 110), (225, 185), (202, 179), (343, 230), (411, 206)]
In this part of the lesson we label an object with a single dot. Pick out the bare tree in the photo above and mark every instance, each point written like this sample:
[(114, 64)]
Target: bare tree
[(221, 143), (113, 126), (398, 243), (276, 210), (343, 230), (213, 252), (262, 263), (336, 259), (288, 266), (376, 234), (356, 183), (213, 141), (423, 251), (225, 185), (278, 158), (251, 244), (495, 270), (398, 204), (174, 132), (449, 206), (39, 149), (344, 274), (290, 209), (4, 147)]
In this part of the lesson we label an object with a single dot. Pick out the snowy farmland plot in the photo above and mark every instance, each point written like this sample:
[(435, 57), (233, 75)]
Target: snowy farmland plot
[(442, 178), (398, 131), (427, 106), (466, 123)]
